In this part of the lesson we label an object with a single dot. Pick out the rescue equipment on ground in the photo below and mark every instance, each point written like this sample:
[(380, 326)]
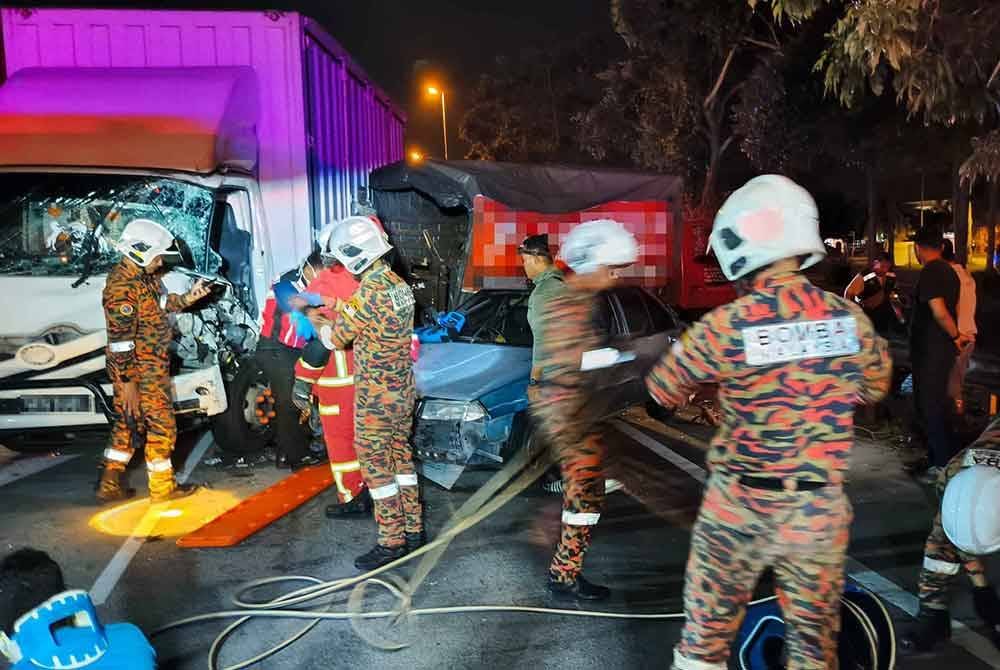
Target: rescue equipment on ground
[(867, 637), (65, 632)]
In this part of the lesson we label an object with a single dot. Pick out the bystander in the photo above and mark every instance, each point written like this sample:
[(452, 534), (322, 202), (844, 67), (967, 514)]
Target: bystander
[(966, 327)]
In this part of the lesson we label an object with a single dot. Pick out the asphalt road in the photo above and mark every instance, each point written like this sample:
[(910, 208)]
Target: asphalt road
[(639, 551)]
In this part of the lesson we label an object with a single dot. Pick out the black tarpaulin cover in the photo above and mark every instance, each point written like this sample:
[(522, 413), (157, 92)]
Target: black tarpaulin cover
[(548, 189)]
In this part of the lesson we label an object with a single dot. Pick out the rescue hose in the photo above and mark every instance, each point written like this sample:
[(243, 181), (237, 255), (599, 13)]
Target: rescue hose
[(483, 503)]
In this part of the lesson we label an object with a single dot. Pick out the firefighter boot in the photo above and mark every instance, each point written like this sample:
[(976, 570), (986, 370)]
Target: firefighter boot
[(361, 504), (579, 589), (110, 488), (933, 626), (302, 395), (378, 557), (179, 491), (414, 541), (987, 606)]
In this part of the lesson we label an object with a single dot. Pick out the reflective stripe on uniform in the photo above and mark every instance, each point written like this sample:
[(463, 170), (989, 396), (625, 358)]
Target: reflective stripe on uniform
[(163, 301), (159, 465), (335, 382), (385, 491), (338, 478), (349, 466), (329, 410), (580, 518), (406, 480), (870, 275), (941, 567), (121, 347), (685, 663), (340, 358), (326, 337), (117, 455), (309, 367)]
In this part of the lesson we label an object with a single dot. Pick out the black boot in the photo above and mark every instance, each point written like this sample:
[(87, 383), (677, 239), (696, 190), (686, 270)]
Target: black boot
[(179, 491), (580, 589), (987, 606), (378, 557), (415, 540), (933, 626), (360, 505)]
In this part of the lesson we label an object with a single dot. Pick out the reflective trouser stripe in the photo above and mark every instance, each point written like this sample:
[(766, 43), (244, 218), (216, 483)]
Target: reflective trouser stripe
[(336, 382), (685, 663), (163, 301), (580, 518), (350, 466), (386, 491), (941, 567), (121, 347), (340, 358), (329, 410), (406, 480), (159, 465), (117, 455)]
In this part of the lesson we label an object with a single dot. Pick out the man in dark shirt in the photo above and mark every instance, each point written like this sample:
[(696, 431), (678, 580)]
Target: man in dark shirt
[(934, 345)]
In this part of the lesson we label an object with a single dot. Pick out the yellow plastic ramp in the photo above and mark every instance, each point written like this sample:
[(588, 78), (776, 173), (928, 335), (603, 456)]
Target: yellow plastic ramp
[(262, 509)]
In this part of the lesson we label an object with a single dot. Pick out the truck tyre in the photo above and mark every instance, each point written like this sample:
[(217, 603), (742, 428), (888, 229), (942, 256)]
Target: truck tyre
[(238, 430)]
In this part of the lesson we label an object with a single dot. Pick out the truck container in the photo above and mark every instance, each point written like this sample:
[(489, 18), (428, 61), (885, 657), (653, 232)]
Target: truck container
[(242, 132)]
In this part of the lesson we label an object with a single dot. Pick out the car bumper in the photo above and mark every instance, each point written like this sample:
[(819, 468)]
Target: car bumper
[(461, 442)]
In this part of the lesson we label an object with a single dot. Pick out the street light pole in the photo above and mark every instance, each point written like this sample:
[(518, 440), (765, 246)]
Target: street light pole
[(434, 90)]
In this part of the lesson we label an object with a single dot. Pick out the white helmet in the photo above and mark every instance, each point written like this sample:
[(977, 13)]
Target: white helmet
[(768, 219), (143, 240), (600, 243), (970, 510), (323, 240), (357, 242)]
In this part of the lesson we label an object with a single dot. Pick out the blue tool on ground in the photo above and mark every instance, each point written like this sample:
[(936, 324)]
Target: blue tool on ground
[(65, 633), (867, 637)]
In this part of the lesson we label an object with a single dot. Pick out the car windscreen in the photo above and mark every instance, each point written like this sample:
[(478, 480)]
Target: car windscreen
[(66, 224), (496, 318)]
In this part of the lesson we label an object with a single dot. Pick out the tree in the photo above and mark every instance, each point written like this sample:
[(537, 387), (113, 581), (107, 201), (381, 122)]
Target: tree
[(940, 57), (522, 110), (667, 104)]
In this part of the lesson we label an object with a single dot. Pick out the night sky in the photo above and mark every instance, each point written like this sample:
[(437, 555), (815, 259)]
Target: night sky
[(457, 39)]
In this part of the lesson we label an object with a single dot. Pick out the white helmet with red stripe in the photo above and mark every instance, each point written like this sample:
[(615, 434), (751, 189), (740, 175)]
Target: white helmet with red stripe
[(768, 219), (143, 241)]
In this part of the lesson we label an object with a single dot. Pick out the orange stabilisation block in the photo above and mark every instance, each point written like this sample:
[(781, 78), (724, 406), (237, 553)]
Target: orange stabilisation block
[(232, 527)]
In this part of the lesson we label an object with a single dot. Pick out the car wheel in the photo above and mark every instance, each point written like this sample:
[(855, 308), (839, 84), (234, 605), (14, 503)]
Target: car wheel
[(238, 430)]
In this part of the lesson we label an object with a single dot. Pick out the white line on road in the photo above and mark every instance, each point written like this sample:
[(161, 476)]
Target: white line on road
[(116, 567), (887, 590), (25, 467)]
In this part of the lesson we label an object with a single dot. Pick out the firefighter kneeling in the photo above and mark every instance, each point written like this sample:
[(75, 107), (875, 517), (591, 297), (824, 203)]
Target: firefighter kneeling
[(967, 527), (791, 361)]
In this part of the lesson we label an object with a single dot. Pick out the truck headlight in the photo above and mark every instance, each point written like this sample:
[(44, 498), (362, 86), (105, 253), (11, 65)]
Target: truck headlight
[(452, 410)]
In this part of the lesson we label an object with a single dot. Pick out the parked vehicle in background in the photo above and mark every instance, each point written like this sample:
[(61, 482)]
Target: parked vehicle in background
[(241, 132), (472, 388)]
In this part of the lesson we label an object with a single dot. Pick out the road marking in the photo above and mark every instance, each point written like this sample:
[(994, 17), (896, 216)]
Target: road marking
[(887, 590), (25, 467), (113, 571)]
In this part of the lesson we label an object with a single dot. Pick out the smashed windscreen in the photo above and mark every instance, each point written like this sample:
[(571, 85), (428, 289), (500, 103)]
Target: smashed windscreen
[(66, 224)]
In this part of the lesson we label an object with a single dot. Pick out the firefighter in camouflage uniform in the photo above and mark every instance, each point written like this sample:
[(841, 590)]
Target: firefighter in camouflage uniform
[(378, 320), (966, 527), (558, 395), (791, 361), (136, 308)]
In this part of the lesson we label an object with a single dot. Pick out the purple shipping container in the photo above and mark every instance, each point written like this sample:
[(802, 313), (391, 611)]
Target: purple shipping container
[(323, 125)]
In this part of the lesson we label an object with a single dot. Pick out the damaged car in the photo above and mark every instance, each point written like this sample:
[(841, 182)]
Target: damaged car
[(472, 386)]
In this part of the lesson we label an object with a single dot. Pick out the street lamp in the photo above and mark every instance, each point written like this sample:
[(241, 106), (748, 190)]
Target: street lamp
[(434, 90)]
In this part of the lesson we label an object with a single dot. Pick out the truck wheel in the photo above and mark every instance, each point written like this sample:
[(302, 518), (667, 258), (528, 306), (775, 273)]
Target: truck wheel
[(238, 430)]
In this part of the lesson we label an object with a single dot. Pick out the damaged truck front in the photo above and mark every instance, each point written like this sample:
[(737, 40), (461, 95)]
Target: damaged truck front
[(223, 155)]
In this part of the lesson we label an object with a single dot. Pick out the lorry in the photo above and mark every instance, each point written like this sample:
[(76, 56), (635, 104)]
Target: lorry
[(241, 132)]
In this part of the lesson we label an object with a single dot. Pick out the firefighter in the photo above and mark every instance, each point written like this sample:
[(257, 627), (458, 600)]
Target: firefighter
[(277, 352), (791, 361), (136, 308), (378, 320), (331, 379), (593, 251), (965, 528)]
